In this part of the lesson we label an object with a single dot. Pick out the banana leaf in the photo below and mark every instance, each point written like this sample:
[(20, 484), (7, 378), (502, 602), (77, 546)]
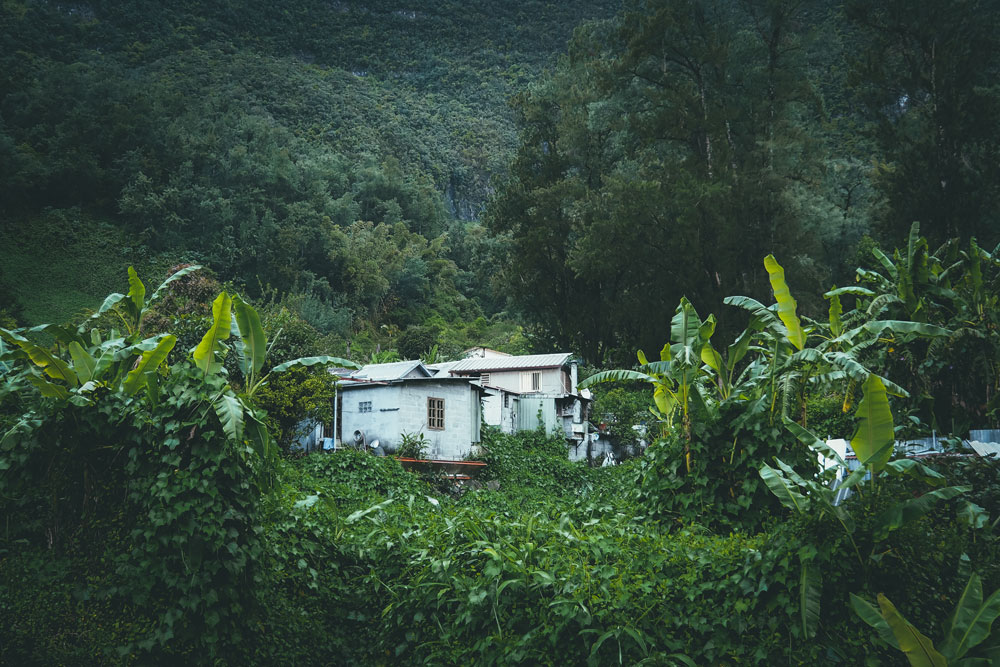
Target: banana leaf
[(809, 439), (871, 615), (919, 649), (785, 490), (810, 594), (903, 513), (177, 275), (786, 304), (906, 326), (148, 363), (251, 333), (972, 623), (208, 354), (875, 430), (136, 294), (84, 365), (230, 412)]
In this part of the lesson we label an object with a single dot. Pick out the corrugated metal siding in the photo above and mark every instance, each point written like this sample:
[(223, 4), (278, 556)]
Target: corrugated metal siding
[(985, 435), (529, 409), (510, 363)]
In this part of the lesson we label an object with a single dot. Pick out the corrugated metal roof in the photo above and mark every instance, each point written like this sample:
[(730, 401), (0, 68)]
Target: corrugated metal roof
[(482, 364), (442, 367), (393, 371)]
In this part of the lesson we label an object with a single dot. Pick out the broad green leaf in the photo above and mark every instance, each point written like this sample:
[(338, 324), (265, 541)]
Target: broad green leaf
[(707, 328), (786, 304), (665, 401), (49, 389), (870, 615), (836, 310), (230, 411), (810, 594), (365, 512), (961, 619), (641, 356), (875, 429), (859, 373), (764, 315), (136, 291), (738, 350), (973, 515), (251, 332), (852, 289), (208, 354), (906, 326), (53, 366), (258, 436), (84, 365), (919, 650), (325, 360), (886, 263), (177, 275), (809, 439), (712, 358), (152, 388), (783, 489), (596, 378), (855, 478), (685, 334), (148, 363), (978, 627), (917, 470), (903, 513), (110, 302)]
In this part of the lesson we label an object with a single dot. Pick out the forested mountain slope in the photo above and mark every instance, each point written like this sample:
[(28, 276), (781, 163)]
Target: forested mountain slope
[(337, 150)]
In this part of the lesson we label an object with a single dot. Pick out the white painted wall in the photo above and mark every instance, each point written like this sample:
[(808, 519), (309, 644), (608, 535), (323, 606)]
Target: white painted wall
[(495, 414), (402, 408), (551, 380)]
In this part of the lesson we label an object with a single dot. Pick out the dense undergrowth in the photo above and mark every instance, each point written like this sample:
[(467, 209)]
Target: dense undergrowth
[(358, 561), (147, 517)]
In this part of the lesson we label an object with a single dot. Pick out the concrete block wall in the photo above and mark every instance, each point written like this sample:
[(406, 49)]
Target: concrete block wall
[(402, 408)]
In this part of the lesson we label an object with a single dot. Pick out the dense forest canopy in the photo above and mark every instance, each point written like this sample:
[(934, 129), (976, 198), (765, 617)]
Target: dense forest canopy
[(676, 145)]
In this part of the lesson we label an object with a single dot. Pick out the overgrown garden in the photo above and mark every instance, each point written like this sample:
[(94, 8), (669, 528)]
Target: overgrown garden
[(149, 516)]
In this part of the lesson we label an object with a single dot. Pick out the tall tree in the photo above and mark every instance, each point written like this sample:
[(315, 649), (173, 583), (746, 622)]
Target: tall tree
[(658, 160), (926, 72)]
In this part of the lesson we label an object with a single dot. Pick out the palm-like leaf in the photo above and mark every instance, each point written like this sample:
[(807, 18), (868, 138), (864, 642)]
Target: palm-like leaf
[(786, 303), (208, 354)]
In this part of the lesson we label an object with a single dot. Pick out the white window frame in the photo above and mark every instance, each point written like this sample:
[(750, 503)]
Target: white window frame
[(531, 381)]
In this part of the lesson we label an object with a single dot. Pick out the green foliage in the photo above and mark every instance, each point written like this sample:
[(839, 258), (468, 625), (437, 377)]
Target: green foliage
[(969, 625), (530, 460), (293, 397), (622, 410), (412, 446)]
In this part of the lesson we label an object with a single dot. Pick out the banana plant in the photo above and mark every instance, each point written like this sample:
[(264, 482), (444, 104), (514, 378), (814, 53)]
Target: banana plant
[(873, 444), (967, 628), (688, 363), (234, 317), (83, 361)]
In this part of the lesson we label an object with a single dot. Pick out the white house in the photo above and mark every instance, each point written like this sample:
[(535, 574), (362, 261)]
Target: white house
[(527, 391), (384, 401)]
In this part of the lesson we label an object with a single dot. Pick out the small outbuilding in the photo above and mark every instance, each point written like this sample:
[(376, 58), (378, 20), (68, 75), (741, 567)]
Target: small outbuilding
[(385, 401)]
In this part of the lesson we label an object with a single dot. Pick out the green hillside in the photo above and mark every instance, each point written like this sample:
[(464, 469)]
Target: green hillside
[(339, 151)]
